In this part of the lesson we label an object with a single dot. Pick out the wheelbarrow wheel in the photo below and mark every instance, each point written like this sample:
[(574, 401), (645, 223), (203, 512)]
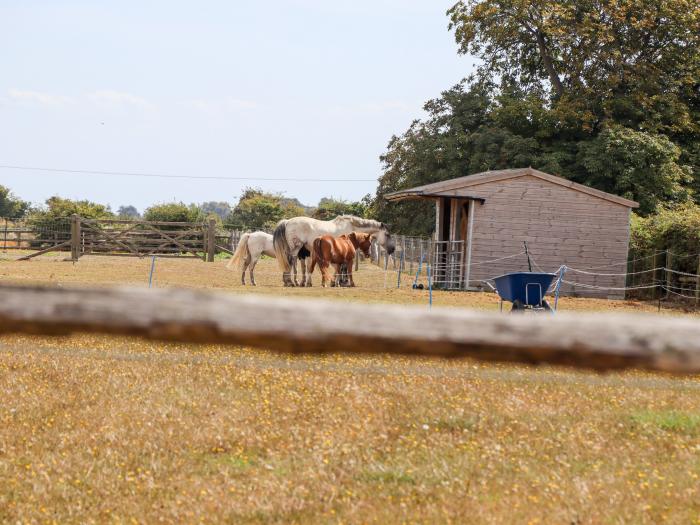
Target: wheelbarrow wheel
[(518, 306)]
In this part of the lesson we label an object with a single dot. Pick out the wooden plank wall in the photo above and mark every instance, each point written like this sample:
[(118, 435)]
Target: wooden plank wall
[(561, 226)]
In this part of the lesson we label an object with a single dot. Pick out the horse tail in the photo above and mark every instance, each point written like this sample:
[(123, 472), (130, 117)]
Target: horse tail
[(282, 252), (315, 254), (241, 253)]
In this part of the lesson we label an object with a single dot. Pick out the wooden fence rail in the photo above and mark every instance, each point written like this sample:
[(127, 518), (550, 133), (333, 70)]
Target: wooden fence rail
[(594, 341)]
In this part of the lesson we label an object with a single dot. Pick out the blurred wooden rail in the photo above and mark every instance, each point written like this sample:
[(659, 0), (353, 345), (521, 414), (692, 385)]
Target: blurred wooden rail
[(595, 341)]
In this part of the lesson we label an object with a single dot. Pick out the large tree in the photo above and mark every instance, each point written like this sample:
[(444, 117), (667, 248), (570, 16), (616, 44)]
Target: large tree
[(603, 92), (635, 61)]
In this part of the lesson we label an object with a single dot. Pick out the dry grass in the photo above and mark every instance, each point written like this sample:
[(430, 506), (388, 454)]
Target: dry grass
[(96, 429)]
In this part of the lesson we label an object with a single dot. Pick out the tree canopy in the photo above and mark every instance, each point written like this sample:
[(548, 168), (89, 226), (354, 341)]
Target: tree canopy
[(259, 210), (58, 207), (11, 207), (128, 212), (603, 92), (328, 208), (220, 209)]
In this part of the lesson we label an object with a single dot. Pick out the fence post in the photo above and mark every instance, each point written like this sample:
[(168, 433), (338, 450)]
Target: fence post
[(75, 237), (430, 288), (669, 275), (211, 240), (357, 260), (153, 267), (398, 277), (697, 283), (655, 275)]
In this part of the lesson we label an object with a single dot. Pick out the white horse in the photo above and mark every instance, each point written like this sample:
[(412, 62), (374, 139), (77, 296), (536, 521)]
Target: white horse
[(251, 247), (291, 235)]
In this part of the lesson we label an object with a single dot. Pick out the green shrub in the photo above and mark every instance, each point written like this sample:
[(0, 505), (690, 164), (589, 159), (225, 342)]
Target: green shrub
[(674, 228), (174, 212)]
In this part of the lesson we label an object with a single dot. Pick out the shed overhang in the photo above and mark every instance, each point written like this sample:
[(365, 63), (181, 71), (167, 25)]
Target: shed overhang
[(420, 194)]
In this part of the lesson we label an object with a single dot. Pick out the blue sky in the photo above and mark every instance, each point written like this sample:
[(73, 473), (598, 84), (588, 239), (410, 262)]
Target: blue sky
[(275, 89)]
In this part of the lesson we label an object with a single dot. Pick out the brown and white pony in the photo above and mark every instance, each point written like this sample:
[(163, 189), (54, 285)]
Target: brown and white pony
[(329, 250)]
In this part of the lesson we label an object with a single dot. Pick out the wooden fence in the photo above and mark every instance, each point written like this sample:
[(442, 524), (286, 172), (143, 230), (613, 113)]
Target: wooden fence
[(82, 236), (663, 274), (596, 341), (24, 234)]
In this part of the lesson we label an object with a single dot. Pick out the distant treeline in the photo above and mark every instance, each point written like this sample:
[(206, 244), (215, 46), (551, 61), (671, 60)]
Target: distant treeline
[(255, 210)]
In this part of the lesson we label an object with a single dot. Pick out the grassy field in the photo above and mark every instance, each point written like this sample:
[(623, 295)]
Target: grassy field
[(96, 429)]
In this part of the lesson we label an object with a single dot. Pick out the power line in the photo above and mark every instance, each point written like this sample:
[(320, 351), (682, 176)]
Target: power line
[(169, 176)]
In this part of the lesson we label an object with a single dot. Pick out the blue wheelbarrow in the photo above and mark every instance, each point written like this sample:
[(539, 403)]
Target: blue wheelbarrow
[(526, 290)]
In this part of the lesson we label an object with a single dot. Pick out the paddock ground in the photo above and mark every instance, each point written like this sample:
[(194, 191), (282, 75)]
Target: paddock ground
[(99, 429)]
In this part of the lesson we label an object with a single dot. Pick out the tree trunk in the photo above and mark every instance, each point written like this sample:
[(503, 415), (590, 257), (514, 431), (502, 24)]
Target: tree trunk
[(548, 64)]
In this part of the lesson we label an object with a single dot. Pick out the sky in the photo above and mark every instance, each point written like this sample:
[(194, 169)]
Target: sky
[(305, 89)]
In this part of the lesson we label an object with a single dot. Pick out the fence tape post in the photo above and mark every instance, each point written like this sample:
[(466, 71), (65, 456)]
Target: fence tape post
[(153, 267), (697, 283), (430, 289), (386, 267), (556, 290)]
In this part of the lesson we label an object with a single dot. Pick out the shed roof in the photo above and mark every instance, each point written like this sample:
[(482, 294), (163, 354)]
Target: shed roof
[(443, 188)]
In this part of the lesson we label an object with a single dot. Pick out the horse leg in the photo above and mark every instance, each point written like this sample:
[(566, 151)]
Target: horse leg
[(252, 276), (348, 264), (303, 272), (307, 272), (324, 274), (246, 262), (287, 276), (294, 266), (336, 277)]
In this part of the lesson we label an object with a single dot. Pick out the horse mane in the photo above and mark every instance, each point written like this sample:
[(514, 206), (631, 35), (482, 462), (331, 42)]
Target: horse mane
[(359, 222)]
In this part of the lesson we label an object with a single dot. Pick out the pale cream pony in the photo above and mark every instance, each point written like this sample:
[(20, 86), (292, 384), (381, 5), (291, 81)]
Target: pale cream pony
[(251, 247)]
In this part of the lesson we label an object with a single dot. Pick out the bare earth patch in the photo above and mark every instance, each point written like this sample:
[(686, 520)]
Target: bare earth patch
[(96, 429)]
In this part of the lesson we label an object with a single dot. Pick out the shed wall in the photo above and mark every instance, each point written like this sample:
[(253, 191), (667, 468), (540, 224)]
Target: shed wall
[(561, 226)]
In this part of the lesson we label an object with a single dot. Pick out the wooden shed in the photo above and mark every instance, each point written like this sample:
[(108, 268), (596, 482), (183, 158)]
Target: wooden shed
[(488, 216)]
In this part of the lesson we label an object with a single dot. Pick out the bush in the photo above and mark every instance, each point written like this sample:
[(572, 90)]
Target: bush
[(174, 212), (671, 228), (56, 207)]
